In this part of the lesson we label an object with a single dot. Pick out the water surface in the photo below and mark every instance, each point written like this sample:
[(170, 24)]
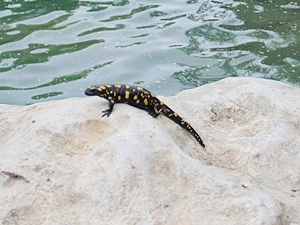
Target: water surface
[(54, 49)]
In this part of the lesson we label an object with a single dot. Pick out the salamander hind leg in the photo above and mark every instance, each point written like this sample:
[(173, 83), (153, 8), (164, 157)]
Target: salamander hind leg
[(152, 112), (156, 109)]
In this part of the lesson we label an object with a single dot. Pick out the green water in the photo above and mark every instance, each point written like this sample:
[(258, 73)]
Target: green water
[(54, 49)]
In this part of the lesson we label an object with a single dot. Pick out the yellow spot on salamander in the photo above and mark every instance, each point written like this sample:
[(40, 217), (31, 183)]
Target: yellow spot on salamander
[(108, 85), (119, 97), (127, 94), (118, 85), (175, 114), (139, 88), (137, 101), (135, 97), (102, 87), (146, 101), (115, 94), (182, 122), (111, 92), (109, 97), (127, 86)]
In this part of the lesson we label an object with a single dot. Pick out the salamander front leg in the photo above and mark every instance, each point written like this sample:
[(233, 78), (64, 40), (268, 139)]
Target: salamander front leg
[(109, 110)]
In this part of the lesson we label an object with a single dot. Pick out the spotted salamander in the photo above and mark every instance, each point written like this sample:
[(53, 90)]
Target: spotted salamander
[(141, 98)]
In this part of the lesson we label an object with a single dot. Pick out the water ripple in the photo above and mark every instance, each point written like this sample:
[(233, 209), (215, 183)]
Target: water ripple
[(54, 49)]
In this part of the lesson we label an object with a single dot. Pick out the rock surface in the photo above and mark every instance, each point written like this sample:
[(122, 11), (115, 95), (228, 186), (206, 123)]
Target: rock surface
[(62, 163)]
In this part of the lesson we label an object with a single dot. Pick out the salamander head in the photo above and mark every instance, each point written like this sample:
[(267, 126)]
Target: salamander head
[(96, 90)]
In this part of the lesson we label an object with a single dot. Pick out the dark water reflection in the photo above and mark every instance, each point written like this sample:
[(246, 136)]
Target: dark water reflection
[(54, 49)]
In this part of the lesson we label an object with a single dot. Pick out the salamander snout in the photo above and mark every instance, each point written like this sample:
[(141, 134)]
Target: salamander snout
[(91, 90)]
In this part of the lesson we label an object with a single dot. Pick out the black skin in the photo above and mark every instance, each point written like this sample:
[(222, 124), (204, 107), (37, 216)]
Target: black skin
[(141, 98)]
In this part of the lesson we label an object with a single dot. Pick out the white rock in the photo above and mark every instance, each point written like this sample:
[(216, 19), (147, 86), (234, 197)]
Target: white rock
[(62, 163)]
